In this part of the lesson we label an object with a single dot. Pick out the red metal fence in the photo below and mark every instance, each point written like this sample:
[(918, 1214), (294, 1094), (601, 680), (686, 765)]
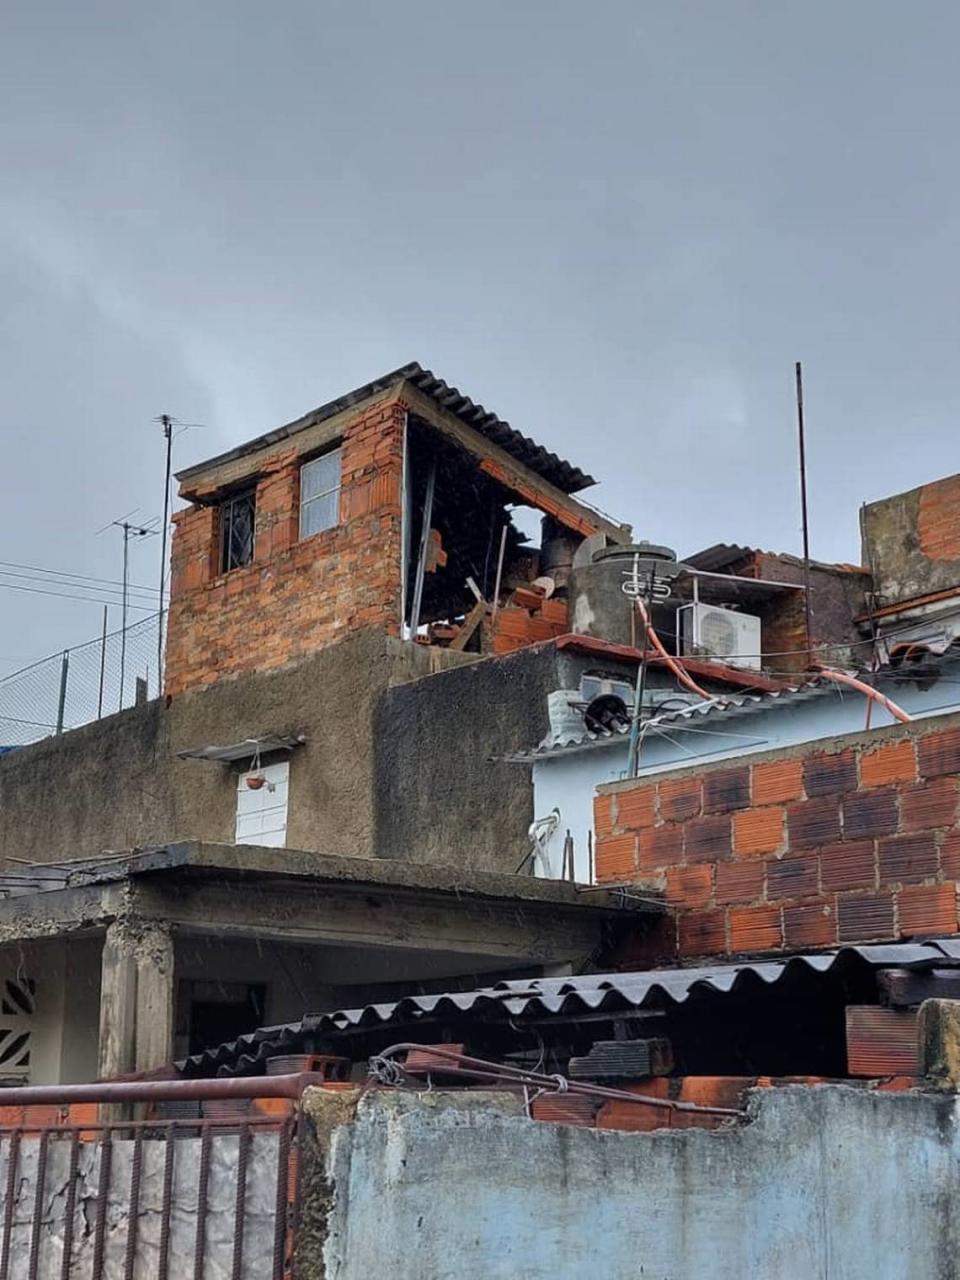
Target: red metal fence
[(205, 1176)]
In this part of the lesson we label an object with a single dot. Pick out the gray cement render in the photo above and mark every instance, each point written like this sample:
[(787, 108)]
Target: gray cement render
[(440, 794), (825, 1182), (117, 783)]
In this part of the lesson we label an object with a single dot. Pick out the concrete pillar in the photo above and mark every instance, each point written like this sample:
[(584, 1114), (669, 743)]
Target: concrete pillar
[(136, 998), (118, 1002), (154, 998), (938, 1034)]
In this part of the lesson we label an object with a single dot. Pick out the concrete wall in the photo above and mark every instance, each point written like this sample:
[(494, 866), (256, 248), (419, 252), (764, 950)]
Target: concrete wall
[(117, 783), (64, 1023), (912, 541), (441, 797), (825, 1181)]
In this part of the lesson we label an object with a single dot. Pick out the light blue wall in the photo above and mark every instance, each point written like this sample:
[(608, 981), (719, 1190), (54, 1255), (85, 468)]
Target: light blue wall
[(568, 781), (826, 1181)]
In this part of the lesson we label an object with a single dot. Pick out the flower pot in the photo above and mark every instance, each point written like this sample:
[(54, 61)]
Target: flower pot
[(256, 781)]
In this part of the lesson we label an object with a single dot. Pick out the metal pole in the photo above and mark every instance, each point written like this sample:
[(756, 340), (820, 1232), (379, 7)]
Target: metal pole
[(123, 624), (803, 509), (496, 588), (103, 663), (167, 423), (424, 544), (633, 762), (61, 705)]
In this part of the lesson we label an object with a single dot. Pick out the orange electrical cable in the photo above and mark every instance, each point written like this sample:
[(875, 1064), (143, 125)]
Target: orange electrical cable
[(898, 713), (671, 662)]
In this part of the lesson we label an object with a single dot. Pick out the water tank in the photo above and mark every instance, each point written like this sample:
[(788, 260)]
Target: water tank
[(600, 607)]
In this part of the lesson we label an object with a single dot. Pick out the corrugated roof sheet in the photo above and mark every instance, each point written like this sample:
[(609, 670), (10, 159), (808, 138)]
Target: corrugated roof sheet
[(719, 556), (564, 475), (535, 997), (716, 709)]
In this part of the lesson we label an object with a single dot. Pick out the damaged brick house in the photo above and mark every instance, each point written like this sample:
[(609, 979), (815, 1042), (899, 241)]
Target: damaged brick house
[(312, 821), (313, 815), (356, 554)]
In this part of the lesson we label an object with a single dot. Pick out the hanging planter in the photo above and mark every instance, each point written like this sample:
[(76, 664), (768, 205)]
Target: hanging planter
[(255, 779)]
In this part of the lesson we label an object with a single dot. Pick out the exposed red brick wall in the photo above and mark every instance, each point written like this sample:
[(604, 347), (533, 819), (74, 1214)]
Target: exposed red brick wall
[(857, 842), (297, 596), (515, 628), (938, 519)]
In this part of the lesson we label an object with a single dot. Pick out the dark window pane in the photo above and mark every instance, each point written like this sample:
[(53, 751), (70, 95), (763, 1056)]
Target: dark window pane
[(236, 524)]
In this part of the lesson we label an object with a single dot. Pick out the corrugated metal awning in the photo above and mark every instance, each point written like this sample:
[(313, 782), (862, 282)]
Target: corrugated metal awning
[(246, 749)]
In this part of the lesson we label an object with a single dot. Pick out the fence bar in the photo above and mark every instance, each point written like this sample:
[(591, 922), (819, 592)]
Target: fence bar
[(203, 1182), (136, 1167), (70, 1206), (62, 700), (103, 1188), (283, 1194), (240, 1207), (103, 663), (37, 1222), (13, 1154), (165, 1206)]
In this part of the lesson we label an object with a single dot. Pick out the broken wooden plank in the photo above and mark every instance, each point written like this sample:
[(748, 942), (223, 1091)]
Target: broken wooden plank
[(471, 622)]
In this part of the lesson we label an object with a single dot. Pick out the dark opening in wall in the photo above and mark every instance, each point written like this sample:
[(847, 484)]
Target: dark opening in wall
[(468, 512)]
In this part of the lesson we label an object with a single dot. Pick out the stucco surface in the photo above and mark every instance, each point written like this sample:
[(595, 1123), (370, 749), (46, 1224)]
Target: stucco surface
[(826, 1182), (440, 796), (118, 784)]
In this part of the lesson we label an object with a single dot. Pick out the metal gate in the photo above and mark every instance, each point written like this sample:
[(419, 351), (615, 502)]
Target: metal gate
[(203, 1183)]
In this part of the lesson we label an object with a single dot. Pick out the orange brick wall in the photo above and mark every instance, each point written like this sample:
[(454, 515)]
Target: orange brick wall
[(855, 843), (297, 596), (938, 519)]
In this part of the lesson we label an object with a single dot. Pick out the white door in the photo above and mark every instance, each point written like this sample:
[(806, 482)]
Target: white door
[(262, 811)]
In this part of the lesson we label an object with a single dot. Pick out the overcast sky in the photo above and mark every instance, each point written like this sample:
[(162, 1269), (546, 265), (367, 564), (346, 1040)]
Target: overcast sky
[(616, 224)]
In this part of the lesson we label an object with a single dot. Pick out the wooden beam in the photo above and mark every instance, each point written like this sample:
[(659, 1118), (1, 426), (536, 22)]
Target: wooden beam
[(470, 624)]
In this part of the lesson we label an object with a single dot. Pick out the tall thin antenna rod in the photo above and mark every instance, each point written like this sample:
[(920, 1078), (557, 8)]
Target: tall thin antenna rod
[(803, 510), (166, 422), (137, 531)]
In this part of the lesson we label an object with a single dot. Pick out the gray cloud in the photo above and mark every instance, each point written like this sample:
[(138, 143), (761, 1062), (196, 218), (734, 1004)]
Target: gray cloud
[(616, 225)]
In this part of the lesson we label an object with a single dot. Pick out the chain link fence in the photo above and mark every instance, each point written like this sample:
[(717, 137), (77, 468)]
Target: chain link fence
[(81, 684)]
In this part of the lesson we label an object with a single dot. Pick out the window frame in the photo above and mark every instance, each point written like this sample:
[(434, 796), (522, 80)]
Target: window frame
[(337, 489), (226, 505)]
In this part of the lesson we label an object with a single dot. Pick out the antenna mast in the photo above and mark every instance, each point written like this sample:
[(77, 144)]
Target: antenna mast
[(803, 512), (166, 422), (136, 531)]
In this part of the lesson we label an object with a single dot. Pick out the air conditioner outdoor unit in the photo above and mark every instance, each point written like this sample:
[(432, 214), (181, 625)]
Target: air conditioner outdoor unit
[(707, 631)]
